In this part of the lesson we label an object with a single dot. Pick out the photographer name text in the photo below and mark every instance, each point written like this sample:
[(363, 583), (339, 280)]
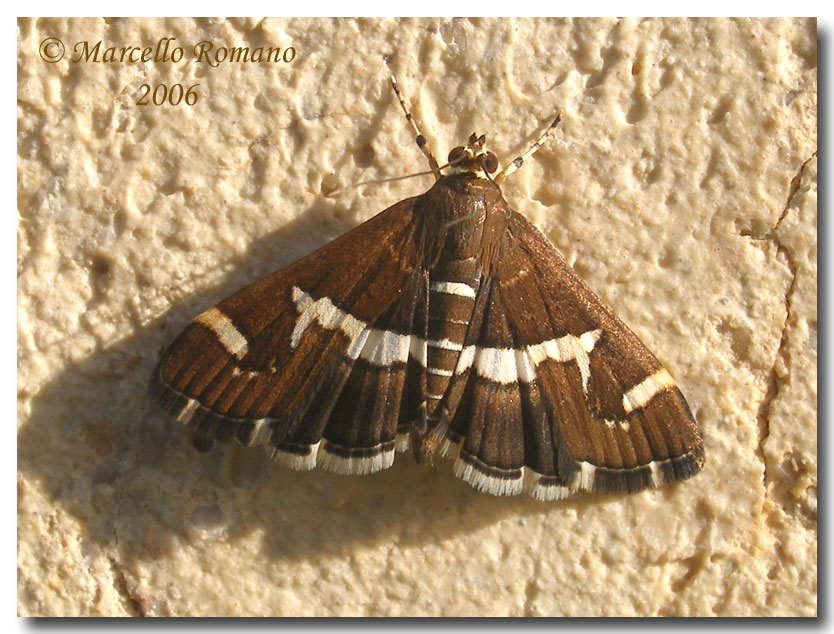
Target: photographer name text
[(167, 50)]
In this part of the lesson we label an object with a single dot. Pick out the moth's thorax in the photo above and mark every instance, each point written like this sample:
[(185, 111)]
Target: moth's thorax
[(457, 208), (468, 184)]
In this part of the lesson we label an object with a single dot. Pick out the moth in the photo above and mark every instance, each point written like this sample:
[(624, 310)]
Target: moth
[(447, 325)]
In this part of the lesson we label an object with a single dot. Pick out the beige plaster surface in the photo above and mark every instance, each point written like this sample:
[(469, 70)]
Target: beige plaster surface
[(681, 185)]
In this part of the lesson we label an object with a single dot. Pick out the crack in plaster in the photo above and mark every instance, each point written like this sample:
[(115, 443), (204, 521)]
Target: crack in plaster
[(782, 354), (530, 591), (132, 605)]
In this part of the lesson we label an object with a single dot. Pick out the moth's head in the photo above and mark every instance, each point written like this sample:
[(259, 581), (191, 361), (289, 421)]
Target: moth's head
[(473, 158)]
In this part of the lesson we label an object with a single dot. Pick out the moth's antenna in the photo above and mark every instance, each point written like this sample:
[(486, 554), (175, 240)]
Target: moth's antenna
[(421, 140), (519, 160), (338, 191)]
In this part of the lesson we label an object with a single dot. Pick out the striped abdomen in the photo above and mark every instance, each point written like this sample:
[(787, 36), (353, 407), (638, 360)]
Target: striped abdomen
[(451, 301)]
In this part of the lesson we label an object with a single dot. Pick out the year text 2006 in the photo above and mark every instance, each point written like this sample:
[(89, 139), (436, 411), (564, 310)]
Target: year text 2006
[(161, 94)]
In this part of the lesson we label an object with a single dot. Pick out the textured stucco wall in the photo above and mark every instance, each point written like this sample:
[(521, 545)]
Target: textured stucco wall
[(681, 185)]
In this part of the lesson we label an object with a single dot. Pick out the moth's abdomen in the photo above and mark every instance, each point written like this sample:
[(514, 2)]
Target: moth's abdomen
[(451, 302)]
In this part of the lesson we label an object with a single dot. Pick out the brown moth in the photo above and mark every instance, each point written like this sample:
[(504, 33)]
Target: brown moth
[(446, 324)]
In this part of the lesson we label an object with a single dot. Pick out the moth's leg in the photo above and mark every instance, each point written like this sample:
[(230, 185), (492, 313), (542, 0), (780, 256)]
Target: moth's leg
[(421, 140), (519, 160)]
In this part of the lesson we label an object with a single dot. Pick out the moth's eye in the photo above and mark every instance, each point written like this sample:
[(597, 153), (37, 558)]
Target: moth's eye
[(490, 162), (456, 154)]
